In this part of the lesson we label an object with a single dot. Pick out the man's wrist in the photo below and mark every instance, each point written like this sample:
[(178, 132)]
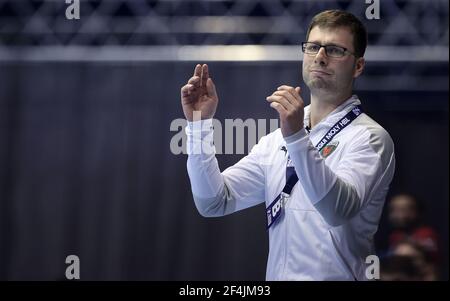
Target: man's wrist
[(199, 125), (296, 136), (200, 137)]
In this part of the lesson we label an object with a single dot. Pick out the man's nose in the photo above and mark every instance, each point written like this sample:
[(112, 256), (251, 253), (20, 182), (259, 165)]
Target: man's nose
[(321, 57)]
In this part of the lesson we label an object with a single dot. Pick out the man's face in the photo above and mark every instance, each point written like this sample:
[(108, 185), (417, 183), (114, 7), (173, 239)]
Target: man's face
[(402, 212), (331, 75)]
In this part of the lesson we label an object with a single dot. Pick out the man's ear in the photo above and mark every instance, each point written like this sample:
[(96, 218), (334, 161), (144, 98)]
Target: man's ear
[(359, 67)]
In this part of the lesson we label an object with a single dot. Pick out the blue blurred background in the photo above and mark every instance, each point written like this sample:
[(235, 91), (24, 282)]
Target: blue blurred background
[(85, 113)]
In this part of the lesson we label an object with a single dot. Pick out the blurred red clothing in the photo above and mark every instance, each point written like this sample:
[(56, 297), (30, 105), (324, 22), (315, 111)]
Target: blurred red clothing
[(424, 236)]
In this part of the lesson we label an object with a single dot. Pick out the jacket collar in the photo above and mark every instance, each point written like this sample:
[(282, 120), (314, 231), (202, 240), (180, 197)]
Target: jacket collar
[(334, 116)]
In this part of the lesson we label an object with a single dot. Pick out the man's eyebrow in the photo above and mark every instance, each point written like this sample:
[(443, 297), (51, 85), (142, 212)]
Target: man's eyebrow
[(334, 44), (329, 44)]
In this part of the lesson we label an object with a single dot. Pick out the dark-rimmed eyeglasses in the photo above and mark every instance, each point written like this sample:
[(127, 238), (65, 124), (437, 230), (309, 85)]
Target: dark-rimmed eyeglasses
[(330, 50)]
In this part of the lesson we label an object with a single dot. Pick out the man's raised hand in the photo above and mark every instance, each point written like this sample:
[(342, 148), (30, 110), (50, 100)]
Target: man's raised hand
[(289, 104), (199, 94)]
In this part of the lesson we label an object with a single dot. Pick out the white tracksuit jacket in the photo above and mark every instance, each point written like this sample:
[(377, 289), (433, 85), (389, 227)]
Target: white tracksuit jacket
[(327, 229)]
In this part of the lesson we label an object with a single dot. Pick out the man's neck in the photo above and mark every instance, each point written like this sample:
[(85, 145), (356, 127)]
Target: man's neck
[(321, 106)]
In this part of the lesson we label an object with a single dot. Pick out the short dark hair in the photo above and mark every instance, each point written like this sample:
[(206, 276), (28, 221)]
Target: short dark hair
[(339, 18)]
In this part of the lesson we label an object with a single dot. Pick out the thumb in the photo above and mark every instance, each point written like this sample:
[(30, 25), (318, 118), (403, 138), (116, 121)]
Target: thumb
[(297, 89), (211, 88)]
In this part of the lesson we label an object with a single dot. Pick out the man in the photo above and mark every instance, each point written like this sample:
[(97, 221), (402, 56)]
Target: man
[(321, 227), (405, 216)]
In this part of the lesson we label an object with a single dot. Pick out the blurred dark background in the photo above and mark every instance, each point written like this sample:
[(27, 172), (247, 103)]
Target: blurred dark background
[(85, 113)]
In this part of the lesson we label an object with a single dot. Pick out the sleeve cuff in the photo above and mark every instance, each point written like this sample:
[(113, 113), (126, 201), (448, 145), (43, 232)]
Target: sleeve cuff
[(204, 125), (297, 136), (200, 137)]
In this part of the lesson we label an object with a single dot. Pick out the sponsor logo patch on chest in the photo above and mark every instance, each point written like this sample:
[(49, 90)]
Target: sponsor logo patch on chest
[(329, 149)]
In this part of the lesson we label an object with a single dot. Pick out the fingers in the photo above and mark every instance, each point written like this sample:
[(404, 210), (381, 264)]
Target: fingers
[(292, 95), (187, 89), (195, 81), (198, 70), (286, 100), (288, 97), (289, 105), (280, 109), (211, 88), (205, 75), (295, 93), (200, 77), (281, 99)]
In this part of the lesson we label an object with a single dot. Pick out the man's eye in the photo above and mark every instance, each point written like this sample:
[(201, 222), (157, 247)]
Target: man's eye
[(334, 50), (312, 48)]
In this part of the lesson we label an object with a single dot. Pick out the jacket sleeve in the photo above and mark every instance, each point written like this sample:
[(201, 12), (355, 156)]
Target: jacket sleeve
[(338, 195), (216, 194)]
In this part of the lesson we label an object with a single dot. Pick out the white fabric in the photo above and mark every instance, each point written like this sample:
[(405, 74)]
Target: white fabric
[(326, 231)]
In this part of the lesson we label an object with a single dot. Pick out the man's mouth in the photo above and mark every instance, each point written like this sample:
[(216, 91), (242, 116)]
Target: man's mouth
[(320, 72)]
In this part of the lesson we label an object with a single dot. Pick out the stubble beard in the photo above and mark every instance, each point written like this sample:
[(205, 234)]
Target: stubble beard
[(320, 85)]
